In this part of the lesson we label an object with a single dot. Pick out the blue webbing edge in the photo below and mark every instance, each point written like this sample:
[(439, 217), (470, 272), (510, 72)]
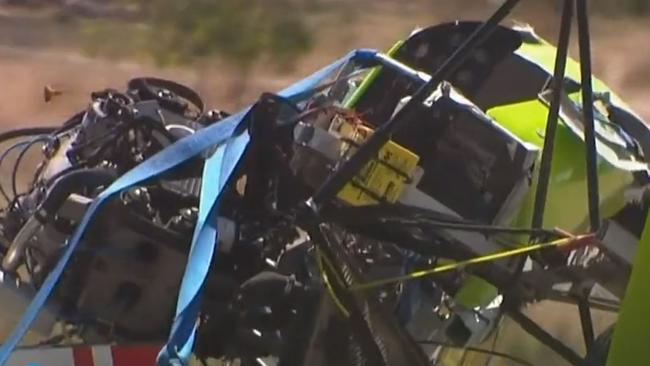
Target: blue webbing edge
[(160, 163)]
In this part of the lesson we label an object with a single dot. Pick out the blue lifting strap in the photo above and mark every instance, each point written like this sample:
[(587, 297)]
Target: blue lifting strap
[(217, 171), (216, 174), (179, 346)]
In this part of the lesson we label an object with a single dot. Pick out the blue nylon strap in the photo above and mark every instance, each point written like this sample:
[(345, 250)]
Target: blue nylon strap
[(216, 174), (220, 165), (179, 346), (157, 164)]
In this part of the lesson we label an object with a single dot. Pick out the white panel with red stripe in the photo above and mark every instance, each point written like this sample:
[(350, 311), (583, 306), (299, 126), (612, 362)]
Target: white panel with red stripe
[(144, 355)]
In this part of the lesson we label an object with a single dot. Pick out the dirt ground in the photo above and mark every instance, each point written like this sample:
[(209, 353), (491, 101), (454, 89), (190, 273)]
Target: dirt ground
[(35, 51)]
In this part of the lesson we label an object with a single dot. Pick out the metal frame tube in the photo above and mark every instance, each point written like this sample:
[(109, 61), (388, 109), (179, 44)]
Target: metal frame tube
[(584, 40), (553, 116), (543, 336), (349, 168), (587, 325)]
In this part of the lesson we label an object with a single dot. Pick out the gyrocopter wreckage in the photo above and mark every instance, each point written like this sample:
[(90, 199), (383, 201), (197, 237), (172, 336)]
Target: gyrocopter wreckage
[(378, 212)]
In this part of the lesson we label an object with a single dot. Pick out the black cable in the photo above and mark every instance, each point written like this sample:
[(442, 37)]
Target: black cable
[(14, 174), (23, 132), (18, 133), (410, 215), (72, 122), (479, 350), (2, 158)]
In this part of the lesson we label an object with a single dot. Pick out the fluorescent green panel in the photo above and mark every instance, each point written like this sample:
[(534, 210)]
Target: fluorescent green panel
[(369, 79), (566, 206), (632, 334), (476, 292), (543, 55)]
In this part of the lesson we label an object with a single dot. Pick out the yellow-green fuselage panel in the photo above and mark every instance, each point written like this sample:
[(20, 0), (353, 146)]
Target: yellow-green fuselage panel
[(566, 204), (630, 342)]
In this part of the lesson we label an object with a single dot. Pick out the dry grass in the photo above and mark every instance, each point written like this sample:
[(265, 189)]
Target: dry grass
[(34, 52)]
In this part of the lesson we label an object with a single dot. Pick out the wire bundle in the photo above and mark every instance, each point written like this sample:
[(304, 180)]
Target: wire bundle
[(29, 137)]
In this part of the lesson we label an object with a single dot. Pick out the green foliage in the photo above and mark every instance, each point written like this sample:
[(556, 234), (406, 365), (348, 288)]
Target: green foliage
[(241, 32)]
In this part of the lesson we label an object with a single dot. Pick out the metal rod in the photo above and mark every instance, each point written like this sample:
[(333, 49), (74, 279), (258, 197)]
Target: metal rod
[(484, 229), (382, 135), (548, 150), (553, 116), (594, 303), (588, 112), (403, 69), (585, 321), (543, 336)]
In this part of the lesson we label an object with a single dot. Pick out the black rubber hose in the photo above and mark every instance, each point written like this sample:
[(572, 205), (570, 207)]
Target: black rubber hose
[(148, 86), (21, 132), (74, 181), (56, 196), (14, 172), (18, 133)]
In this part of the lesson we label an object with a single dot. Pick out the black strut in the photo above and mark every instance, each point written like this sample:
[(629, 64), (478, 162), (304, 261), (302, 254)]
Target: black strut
[(553, 116), (549, 145), (546, 164), (349, 168), (557, 87), (548, 340), (584, 310), (584, 40)]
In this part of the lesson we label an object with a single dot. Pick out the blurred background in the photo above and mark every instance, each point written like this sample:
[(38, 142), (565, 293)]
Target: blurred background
[(231, 51)]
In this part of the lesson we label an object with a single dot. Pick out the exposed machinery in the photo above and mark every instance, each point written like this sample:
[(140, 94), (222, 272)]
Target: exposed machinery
[(322, 224)]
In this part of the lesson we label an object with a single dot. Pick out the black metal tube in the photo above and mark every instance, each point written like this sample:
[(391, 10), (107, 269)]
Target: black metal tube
[(586, 322), (594, 302), (546, 164), (543, 336), (553, 116), (71, 182), (588, 113), (368, 150)]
